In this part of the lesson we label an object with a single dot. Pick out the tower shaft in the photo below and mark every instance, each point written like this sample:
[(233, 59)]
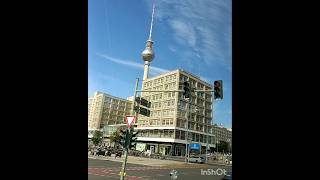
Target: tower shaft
[(146, 70)]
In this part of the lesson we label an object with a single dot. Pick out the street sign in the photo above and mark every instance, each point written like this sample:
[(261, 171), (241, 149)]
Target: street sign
[(130, 120), (142, 111), (143, 102), (195, 146)]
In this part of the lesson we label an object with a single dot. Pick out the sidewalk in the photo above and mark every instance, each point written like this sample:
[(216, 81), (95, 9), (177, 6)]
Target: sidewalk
[(142, 161), (220, 163)]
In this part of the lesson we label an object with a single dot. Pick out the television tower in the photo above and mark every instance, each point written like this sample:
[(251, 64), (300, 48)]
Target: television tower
[(148, 54)]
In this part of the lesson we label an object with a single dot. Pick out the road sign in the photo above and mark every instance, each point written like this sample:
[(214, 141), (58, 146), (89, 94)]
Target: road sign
[(195, 146), (130, 120), (143, 102), (142, 111)]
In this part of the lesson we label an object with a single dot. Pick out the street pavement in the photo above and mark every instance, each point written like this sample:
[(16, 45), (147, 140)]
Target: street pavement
[(101, 169), (151, 161), (140, 160)]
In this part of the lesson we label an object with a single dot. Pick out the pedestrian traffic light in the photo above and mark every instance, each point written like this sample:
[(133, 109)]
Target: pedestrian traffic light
[(186, 88), (218, 91), (123, 138), (133, 140)]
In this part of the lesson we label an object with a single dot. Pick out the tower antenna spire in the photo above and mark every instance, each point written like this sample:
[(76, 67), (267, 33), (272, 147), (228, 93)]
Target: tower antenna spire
[(150, 33)]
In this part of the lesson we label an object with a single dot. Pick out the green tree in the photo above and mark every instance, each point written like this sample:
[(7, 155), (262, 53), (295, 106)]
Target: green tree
[(223, 146), (97, 138), (115, 136)]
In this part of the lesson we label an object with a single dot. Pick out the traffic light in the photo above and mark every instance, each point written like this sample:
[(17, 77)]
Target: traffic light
[(145, 104), (218, 91), (186, 88), (133, 140), (123, 138)]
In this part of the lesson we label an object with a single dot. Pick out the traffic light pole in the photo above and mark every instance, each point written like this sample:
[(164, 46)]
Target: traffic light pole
[(187, 134), (130, 130)]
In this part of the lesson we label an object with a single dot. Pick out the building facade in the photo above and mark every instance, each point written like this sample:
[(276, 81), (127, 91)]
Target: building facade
[(165, 131), (104, 109), (222, 134)]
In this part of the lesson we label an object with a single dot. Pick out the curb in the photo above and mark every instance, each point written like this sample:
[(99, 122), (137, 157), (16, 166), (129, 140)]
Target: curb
[(156, 165), (140, 163)]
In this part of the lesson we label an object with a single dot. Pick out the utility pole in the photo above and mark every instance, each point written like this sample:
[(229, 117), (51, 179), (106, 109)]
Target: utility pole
[(128, 135)]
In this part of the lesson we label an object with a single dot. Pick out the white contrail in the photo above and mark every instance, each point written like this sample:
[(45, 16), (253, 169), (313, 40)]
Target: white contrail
[(132, 64)]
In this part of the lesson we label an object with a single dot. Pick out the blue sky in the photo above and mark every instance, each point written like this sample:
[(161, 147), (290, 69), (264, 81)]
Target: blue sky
[(194, 35)]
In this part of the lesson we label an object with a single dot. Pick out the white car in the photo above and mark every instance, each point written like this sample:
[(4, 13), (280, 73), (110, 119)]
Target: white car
[(197, 159)]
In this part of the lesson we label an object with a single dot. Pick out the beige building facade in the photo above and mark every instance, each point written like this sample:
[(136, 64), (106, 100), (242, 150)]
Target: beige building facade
[(222, 134), (165, 130), (105, 109)]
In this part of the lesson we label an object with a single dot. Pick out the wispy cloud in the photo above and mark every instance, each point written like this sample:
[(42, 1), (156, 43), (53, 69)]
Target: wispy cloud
[(153, 70), (172, 48), (203, 27), (183, 30)]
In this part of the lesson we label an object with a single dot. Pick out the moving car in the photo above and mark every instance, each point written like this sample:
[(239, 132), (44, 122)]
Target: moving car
[(197, 159)]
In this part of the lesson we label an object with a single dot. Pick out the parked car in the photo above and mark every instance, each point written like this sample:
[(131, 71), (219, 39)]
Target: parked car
[(197, 159), (101, 152), (228, 176)]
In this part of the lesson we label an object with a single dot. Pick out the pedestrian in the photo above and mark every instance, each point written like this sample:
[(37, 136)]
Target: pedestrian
[(95, 151)]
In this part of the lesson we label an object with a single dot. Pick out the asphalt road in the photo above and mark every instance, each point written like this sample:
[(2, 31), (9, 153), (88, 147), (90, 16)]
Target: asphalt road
[(104, 169)]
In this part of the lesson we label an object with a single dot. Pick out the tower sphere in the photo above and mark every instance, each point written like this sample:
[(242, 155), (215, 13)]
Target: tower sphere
[(148, 54)]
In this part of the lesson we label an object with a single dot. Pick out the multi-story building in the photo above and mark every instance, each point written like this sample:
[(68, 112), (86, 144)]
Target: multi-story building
[(89, 103), (165, 131), (222, 134), (104, 109)]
